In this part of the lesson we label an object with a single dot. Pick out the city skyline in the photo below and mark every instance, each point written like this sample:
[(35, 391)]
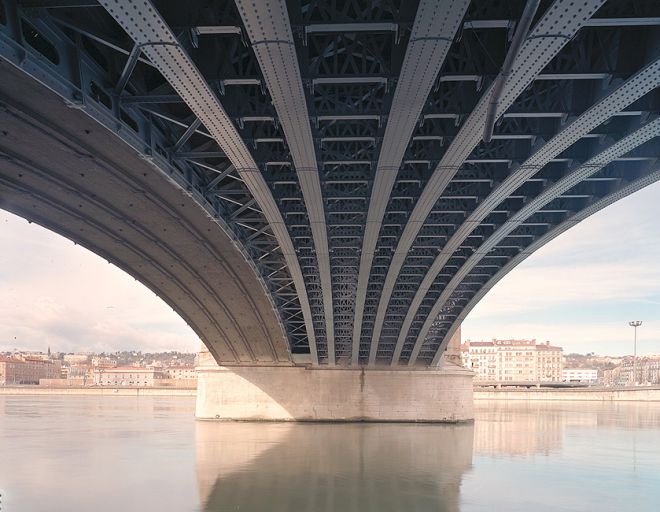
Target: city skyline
[(579, 291)]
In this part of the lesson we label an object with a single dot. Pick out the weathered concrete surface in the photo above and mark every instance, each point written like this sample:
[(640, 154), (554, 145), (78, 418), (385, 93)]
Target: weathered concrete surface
[(650, 394), (64, 171), (305, 394)]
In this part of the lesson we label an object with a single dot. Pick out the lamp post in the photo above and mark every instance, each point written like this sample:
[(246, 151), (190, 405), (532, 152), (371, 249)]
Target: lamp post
[(635, 324)]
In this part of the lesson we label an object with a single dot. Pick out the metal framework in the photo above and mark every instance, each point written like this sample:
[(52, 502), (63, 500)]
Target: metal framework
[(341, 144), (550, 193), (625, 191), (431, 37), (274, 48), (621, 97), (541, 45)]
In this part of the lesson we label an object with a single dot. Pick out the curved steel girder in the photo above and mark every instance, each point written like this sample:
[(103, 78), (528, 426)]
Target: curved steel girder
[(625, 145), (268, 27), (432, 35), (557, 26), (536, 245), (141, 20), (631, 90)]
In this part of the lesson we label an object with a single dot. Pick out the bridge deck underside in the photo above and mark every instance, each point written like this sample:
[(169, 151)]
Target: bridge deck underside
[(453, 213)]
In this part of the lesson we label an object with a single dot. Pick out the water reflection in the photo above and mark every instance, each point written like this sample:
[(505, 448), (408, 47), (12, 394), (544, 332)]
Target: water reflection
[(323, 467), (525, 428), (96, 453), (148, 453), (568, 456)]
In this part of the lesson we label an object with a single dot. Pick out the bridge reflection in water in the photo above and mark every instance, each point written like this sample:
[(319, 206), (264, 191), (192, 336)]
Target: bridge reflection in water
[(386, 467), (352, 467)]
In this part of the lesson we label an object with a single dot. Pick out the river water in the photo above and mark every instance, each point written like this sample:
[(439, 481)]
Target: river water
[(124, 454)]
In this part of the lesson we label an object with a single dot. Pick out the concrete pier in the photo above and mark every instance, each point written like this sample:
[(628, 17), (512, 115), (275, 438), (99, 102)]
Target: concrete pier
[(296, 393)]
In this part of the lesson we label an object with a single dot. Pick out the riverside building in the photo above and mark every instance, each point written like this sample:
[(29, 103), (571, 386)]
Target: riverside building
[(584, 375), (27, 370), (644, 371), (513, 361), (180, 372), (133, 376)]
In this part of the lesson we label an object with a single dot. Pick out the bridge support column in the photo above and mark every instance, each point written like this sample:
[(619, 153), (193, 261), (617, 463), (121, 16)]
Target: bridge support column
[(453, 352), (295, 393)]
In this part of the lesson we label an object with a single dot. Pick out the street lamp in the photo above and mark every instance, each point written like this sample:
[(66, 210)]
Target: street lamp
[(635, 324)]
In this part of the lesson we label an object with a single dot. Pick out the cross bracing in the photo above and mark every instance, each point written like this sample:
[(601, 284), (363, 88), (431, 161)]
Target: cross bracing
[(340, 143)]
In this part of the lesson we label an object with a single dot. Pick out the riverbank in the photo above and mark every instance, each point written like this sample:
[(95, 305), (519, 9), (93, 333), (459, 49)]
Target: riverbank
[(645, 394), (105, 391)]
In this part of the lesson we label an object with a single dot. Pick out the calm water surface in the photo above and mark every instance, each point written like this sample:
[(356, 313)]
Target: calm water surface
[(110, 454)]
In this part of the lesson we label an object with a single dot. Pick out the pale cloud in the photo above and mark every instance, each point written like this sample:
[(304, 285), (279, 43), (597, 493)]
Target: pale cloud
[(535, 288), (55, 293)]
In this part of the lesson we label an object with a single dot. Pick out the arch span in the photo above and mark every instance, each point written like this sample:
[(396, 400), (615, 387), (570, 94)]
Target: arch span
[(348, 165), (58, 169)]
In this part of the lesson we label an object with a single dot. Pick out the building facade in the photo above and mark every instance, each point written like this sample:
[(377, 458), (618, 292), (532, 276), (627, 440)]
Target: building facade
[(77, 358), (27, 370), (585, 375), (180, 372), (132, 376), (644, 371), (513, 361)]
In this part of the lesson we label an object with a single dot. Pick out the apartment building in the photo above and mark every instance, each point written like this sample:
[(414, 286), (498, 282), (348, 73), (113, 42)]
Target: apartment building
[(513, 361), (133, 376), (27, 370)]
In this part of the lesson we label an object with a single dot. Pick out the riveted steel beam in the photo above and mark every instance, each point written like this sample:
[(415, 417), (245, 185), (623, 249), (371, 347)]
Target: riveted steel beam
[(593, 22), (556, 27), (623, 22), (269, 30), (432, 34), (141, 20)]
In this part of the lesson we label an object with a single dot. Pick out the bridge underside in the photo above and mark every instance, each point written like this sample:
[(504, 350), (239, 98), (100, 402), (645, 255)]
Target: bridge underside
[(331, 182), (57, 169)]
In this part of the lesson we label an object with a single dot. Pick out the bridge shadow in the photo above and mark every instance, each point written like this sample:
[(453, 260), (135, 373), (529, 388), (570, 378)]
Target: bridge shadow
[(323, 467)]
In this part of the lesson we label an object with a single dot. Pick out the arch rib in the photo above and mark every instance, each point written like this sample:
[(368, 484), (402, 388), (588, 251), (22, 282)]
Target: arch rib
[(141, 20), (631, 90), (553, 31), (592, 166), (631, 188), (432, 35), (269, 29)]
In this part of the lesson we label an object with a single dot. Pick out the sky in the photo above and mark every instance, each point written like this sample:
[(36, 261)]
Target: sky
[(58, 294), (579, 291)]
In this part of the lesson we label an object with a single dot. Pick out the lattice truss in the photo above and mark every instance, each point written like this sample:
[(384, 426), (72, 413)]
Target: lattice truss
[(395, 94)]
